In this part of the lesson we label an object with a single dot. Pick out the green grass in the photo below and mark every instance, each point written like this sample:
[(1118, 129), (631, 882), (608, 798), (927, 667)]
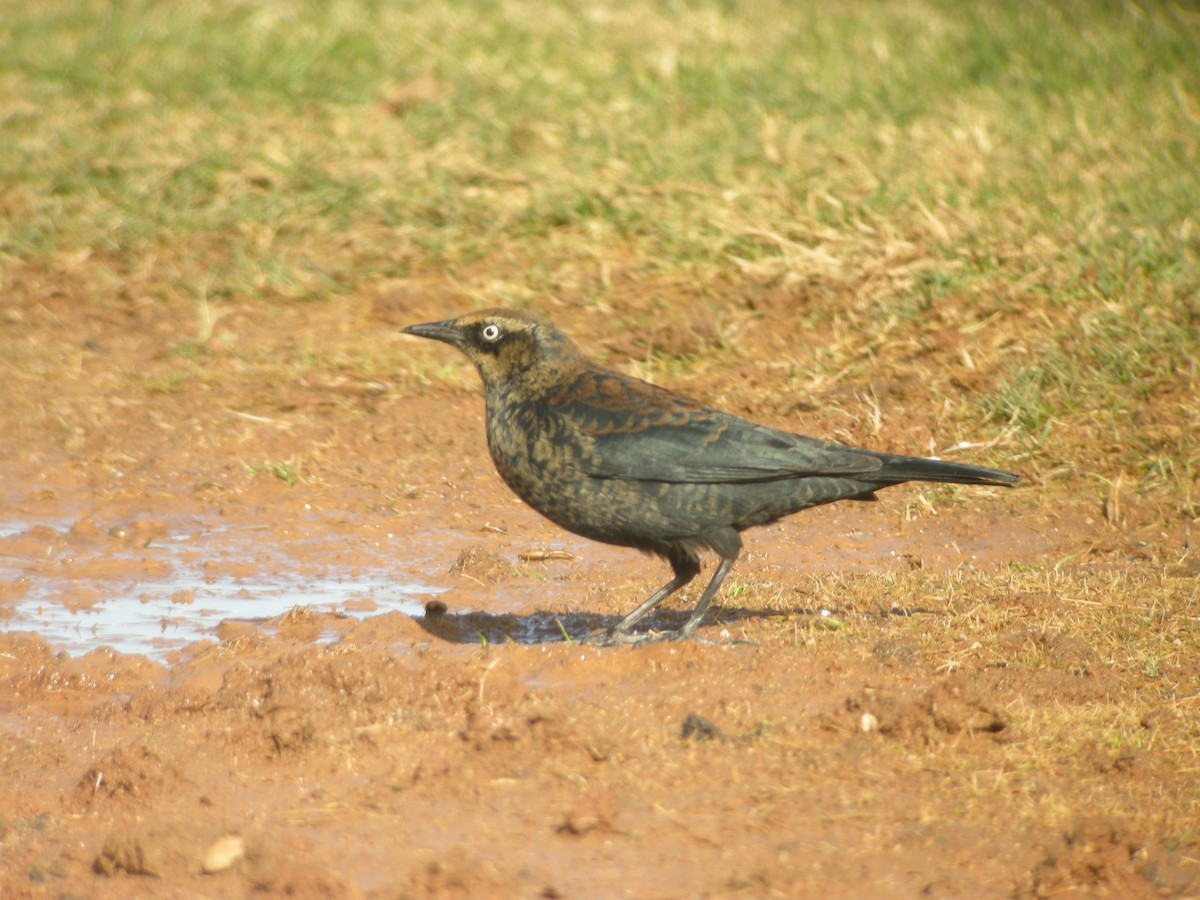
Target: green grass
[(287, 471), (1032, 167)]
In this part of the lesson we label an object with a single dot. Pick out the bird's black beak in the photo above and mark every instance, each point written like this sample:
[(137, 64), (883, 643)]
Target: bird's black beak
[(438, 331)]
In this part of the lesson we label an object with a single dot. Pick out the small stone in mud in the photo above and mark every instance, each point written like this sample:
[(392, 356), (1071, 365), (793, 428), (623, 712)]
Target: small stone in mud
[(224, 852), (435, 608), (700, 728)]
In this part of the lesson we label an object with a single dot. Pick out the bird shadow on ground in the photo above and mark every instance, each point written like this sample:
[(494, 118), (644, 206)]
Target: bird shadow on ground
[(546, 627)]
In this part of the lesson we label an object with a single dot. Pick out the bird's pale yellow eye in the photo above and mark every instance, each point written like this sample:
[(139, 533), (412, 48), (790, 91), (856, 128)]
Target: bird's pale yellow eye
[(490, 333)]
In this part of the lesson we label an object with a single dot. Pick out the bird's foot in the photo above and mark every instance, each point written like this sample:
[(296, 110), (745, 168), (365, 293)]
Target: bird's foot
[(614, 638)]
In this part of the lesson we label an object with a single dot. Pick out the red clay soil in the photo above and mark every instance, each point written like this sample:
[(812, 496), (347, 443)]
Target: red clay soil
[(827, 739)]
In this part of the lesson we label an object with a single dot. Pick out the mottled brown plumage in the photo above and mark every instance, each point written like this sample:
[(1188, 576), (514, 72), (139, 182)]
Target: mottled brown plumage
[(619, 460)]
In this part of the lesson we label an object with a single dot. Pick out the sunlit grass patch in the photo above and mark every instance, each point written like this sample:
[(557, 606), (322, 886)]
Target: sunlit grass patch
[(1008, 192), (678, 132), (1124, 372)]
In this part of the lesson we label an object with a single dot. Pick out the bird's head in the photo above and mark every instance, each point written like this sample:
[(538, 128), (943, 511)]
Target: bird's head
[(511, 348)]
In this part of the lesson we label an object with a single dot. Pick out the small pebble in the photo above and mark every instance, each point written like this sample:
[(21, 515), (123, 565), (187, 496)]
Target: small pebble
[(868, 723), (224, 852)]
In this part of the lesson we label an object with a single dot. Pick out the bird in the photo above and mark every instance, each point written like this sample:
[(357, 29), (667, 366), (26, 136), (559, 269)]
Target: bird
[(616, 459)]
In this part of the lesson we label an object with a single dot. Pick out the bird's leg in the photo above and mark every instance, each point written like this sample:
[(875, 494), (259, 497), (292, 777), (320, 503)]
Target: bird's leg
[(714, 585), (728, 544), (686, 566)]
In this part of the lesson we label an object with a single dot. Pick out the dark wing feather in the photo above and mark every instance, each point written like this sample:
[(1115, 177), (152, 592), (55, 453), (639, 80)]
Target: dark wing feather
[(715, 447), (641, 432)]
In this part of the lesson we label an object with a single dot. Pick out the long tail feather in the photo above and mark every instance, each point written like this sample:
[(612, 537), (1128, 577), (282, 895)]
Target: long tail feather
[(914, 468)]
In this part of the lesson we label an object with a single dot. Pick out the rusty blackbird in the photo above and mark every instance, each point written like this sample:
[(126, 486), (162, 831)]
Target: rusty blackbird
[(619, 460)]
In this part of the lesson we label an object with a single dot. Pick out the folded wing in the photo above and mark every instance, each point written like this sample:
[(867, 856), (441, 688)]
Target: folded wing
[(681, 442)]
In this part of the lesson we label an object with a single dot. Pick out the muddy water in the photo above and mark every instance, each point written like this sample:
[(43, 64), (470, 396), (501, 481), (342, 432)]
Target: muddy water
[(151, 587)]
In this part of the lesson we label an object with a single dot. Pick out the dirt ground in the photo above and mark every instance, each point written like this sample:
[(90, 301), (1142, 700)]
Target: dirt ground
[(912, 697)]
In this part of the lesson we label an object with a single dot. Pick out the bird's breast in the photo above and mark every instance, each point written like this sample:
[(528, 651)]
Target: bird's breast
[(535, 454), (548, 462)]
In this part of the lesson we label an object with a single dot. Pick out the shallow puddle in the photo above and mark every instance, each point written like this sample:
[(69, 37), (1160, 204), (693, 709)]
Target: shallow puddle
[(148, 590)]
